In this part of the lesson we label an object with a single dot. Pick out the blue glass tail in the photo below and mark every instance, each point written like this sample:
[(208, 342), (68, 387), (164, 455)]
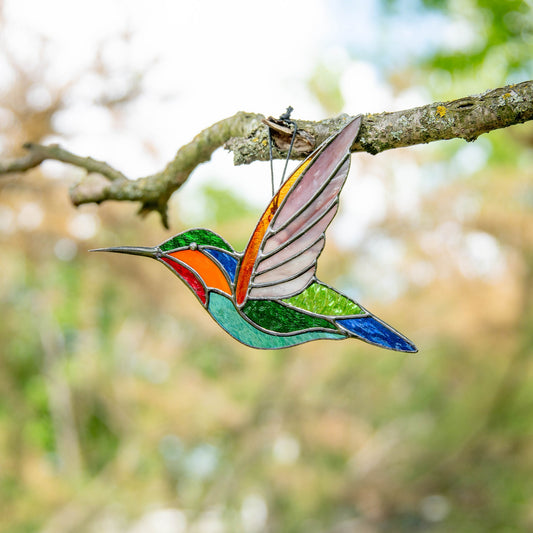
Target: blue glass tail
[(372, 330)]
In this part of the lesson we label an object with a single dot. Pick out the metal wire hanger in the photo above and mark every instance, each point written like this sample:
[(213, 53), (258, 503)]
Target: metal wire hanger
[(285, 117)]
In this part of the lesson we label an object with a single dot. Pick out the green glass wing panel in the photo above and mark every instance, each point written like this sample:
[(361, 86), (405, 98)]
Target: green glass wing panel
[(202, 237), (323, 300), (274, 316), (227, 316)]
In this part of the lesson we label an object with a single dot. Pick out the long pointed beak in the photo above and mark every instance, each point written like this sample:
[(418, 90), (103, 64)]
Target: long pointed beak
[(132, 250)]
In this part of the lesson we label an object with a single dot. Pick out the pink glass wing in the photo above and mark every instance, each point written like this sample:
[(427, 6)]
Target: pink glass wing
[(286, 261), (286, 288)]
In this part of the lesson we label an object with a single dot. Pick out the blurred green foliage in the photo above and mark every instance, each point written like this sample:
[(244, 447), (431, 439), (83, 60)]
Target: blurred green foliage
[(501, 34)]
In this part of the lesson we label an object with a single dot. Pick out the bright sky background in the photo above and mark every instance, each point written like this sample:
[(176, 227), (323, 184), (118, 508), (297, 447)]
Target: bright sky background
[(205, 61)]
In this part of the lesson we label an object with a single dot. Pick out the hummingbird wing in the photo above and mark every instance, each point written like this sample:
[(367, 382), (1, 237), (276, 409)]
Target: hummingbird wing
[(280, 259)]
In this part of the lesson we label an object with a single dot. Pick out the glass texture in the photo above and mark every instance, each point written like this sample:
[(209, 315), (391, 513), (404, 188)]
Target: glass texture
[(225, 313), (206, 268), (324, 300), (372, 330), (277, 317), (250, 254), (228, 262), (318, 203), (307, 238), (284, 289), (201, 237), (288, 253), (290, 268), (320, 171), (188, 277)]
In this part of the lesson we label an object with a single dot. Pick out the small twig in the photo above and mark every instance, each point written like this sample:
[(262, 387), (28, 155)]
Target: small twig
[(39, 153), (26, 162)]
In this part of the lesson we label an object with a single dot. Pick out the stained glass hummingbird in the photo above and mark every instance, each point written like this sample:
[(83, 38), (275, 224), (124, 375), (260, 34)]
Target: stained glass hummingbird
[(268, 296)]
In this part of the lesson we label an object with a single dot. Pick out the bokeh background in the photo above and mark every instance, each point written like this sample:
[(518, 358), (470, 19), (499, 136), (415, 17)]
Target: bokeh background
[(125, 409)]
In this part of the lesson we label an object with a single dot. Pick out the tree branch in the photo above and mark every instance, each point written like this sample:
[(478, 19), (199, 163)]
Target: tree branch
[(39, 153), (246, 136)]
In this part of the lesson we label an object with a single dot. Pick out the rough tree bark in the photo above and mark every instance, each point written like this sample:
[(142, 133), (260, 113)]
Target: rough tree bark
[(246, 135)]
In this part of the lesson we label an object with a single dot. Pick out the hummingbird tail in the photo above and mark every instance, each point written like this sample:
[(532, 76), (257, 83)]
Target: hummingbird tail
[(374, 331)]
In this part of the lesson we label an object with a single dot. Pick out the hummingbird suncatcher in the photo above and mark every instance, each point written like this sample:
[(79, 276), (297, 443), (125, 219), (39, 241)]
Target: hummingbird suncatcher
[(268, 296)]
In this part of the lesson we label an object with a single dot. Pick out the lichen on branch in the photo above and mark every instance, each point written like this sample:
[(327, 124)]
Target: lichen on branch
[(246, 135)]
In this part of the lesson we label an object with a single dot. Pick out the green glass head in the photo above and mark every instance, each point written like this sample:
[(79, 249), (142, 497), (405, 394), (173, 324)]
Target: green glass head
[(201, 237)]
